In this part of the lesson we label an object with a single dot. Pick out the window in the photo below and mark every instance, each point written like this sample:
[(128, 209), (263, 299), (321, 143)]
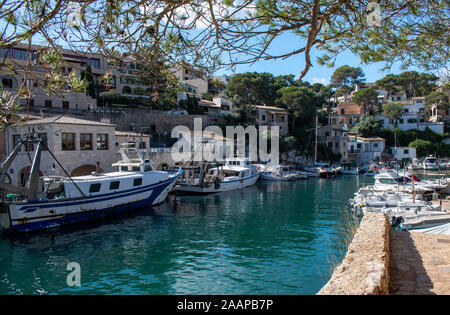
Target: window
[(412, 120), (95, 63), (406, 151), (30, 103), (358, 145), (68, 142), (375, 145), (20, 54), (263, 117), (148, 168), (48, 103), (102, 141), (327, 133), (342, 111), (7, 83), (137, 182), (85, 141), (135, 169), (43, 136), (124, 168), (114, 185), (401, 121), (65, 104), (142, 145), (95, 188)]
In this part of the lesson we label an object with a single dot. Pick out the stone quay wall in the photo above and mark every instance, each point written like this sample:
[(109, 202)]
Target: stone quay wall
[(365, 269)]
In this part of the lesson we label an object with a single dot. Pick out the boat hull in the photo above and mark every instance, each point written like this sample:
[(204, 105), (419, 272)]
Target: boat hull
[(224, 186), (22, 218)]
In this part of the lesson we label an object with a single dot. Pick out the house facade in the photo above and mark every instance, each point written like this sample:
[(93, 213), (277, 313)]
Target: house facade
[(335, 138), (365, 150), (272, 116), (81, 147)]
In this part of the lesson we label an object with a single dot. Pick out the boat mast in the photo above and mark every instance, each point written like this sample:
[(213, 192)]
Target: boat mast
[(315, 151)]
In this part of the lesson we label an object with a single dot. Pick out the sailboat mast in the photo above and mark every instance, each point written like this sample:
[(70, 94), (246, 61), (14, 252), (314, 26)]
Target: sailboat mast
[(315, 151)]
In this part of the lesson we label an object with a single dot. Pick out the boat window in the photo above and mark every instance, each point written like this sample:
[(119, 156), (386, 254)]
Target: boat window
[(387, 181), (148, 168), (95, 188), (136, 169), (124, 168), (114, 185), (137, 182)]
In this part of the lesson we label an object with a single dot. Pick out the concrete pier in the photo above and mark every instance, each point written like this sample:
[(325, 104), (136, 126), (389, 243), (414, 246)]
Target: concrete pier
[(382, 261)]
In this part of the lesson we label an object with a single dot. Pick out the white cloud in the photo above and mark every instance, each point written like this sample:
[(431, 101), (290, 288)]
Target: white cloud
[(320, 80)]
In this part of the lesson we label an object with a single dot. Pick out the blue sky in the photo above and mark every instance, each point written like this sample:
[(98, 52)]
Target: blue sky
[(295, 64)]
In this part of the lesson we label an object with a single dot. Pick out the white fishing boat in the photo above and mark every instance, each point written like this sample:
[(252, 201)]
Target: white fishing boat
[(209, 178), (279, 173), (430, 164), (318, 170), (48, 202), (348, 169)]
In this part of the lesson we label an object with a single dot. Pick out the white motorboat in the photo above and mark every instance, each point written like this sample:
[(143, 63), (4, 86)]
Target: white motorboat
[(48, 202), (209, 178), (430, 164), (414, 165)]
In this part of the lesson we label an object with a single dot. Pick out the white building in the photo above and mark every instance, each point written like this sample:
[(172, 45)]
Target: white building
[(205, 144), (81, 146), (413, 117), (365, 149), (404, 153)]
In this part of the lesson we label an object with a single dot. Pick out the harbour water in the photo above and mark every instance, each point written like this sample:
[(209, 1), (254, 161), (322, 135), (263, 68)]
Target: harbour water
[(271, 238)]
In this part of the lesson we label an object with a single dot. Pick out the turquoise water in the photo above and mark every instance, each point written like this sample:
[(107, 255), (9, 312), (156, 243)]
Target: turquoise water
[(272, 238)]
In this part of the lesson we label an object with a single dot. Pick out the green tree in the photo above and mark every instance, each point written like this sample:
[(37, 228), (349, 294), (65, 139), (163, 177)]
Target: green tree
[(302, 104), (367, 98), (417, 84), (423, 147), (389, 83), (345, 79), (252, 88), (368, 126), (393, 111)]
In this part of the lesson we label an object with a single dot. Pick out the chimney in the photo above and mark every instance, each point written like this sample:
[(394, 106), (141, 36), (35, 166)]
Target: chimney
[(98, 168), (43, 115)]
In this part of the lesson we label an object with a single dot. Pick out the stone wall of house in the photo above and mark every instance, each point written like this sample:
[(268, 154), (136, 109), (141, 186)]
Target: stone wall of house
[(365, 269), (139, 120)]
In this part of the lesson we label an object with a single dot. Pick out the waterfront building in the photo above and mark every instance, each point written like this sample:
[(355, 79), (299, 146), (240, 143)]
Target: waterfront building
[(404, 154), (335, 138), (272, 116), (81, 146), (364, 150)]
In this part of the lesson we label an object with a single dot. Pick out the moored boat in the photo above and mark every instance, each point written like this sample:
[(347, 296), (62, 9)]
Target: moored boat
[(208, 178), (48, 202)]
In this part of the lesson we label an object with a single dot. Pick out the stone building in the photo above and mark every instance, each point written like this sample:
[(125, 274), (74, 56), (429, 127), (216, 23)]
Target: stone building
[(81, 147), (272, 116)]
